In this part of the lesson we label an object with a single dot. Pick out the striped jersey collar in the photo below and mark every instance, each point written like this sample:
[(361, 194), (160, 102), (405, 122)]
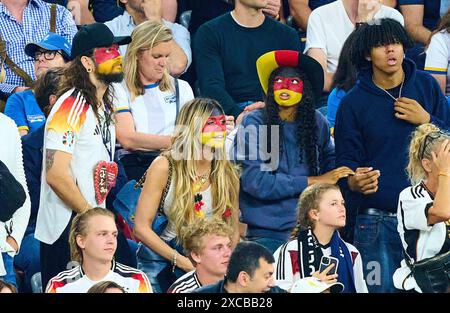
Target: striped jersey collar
[(113, 266)]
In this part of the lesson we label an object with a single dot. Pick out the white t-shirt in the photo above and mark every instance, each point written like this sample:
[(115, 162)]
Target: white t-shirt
[(420, 240), (438, 56), (71, 127), (155, 111), (75, 280), (329, 26), (287, 267)]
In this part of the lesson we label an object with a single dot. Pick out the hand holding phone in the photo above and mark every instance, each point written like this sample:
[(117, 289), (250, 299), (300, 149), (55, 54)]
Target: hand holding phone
[(327, 270), (325, 262)]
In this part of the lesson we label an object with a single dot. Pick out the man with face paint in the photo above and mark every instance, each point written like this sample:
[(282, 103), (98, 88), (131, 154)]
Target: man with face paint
[(79, 143), (284, 147)]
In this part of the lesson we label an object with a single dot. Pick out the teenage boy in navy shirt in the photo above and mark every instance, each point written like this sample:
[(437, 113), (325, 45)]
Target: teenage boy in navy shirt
[(372, 132)]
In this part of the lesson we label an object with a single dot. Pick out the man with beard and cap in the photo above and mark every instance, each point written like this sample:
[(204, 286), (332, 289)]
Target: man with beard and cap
[(294, 148), (78, 143)]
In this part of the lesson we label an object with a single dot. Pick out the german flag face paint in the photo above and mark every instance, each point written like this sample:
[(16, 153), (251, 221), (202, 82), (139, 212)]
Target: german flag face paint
[(214, 131), (288, 91), (108, 59)]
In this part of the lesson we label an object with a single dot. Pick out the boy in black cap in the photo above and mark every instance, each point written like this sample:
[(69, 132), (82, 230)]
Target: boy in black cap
[(78, 143)]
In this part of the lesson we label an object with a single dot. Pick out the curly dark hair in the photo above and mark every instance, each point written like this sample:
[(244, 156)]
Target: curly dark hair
[(377, 33), (305, 118)]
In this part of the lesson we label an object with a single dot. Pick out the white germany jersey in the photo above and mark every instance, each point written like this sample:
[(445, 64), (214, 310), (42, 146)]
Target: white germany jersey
[(420, 240), (186, 283), (75, 281), (288, 268)]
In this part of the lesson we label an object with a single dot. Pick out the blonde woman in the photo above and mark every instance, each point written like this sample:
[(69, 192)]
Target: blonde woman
[(93, 242), (148, 104), (203, 184), (321, 212), (423, 210)]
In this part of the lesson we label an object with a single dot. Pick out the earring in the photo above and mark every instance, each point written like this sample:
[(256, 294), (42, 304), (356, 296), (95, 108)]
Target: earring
[(89, 70)]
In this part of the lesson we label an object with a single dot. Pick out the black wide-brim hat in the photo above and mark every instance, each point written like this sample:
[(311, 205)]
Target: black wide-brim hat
[(93, 36), (272, 60)]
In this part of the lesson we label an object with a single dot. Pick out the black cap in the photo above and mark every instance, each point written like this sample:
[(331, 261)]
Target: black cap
[(93, 36)]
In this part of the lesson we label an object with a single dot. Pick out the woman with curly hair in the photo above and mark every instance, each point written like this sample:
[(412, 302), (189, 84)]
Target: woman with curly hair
[(300, 152), (190, 181)]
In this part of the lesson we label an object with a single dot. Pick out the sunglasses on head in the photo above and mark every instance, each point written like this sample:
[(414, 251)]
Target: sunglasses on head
[(428, 140)]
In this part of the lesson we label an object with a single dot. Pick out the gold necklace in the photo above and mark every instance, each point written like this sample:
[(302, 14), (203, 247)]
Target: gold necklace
[(202, 179)]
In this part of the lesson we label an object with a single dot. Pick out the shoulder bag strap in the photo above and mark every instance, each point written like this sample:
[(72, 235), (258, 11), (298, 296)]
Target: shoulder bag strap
[(13, 66), (177, 96), (53, 18), (166, 189), (141, 182)]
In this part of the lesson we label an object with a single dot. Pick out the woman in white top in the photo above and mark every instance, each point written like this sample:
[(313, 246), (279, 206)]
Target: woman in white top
[(424, 208), (321, 212), (12, 231), (203, 184), (438, 54), (148, 107)]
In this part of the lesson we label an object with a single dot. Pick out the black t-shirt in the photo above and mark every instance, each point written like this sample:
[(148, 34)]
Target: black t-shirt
[(203, 12)]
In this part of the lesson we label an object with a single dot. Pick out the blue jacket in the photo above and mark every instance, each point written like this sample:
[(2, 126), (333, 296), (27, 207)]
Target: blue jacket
[(368, 134), (268, 199)]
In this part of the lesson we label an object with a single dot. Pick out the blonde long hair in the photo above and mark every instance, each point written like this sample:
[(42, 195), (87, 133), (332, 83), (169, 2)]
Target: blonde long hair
[(144, 37), (424, 140), (185, 150)]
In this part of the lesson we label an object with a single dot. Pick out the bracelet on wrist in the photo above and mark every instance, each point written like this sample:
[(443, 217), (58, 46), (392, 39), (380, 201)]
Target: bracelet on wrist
[(174, 261)]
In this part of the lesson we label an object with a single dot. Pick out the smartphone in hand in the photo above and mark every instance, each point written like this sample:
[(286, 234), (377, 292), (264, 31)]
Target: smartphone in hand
[(326, 261)]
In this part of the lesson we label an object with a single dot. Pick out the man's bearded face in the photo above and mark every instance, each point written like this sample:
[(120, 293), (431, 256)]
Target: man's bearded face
[(109, 64)]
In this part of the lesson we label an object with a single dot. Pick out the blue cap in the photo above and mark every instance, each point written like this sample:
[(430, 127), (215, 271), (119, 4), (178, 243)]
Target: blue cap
[(50, 42)]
